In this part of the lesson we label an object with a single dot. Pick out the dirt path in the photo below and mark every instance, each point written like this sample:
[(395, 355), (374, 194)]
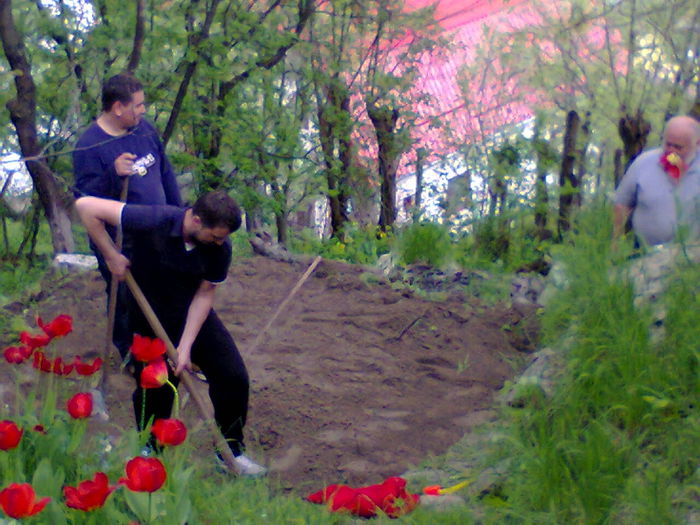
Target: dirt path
[(353, 383)]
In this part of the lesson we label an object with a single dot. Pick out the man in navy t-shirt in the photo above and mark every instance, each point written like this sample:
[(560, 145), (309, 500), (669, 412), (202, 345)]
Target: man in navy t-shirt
[(179, 257), (120, 144)]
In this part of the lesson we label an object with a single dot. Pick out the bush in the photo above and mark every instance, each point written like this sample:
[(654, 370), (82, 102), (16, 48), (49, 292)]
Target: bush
[(356, 244), (425, 242)]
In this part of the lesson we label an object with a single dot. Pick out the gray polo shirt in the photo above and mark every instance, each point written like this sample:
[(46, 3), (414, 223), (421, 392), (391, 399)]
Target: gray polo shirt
[(660, 204)]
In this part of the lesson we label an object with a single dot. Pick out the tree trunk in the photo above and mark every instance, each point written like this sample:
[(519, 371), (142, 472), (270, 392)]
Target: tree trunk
[(618, 169), (23, 115), (139, 35), (420, 158), (568, 183), (634, 131), (583, 140), (335, 137), (695, 110), (384, 121)]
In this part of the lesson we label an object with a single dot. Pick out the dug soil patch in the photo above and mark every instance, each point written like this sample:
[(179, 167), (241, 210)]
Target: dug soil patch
[(355, 381)]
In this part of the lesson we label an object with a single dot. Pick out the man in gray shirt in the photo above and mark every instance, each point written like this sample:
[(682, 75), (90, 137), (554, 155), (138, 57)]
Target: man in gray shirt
[(661, 189)]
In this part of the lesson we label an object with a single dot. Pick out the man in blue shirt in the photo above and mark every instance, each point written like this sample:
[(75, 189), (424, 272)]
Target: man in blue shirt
[(179, 257), (119, 144), (661, 189)]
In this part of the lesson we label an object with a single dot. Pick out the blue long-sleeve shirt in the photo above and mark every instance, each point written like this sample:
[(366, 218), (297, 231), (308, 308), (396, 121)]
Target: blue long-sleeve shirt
[(93, 165)]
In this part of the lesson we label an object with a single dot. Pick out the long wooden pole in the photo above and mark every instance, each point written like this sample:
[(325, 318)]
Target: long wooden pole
[(114, 284), (291, 294)]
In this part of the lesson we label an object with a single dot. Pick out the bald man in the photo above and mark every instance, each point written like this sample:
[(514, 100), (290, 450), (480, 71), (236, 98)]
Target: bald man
[(661, 188)]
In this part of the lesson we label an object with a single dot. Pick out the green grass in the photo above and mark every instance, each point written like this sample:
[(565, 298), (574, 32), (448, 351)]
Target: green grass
[(619, 442), (19, 274)]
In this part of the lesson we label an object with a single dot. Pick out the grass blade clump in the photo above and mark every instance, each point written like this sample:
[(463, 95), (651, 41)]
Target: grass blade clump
[(425, 242), (618, 442)]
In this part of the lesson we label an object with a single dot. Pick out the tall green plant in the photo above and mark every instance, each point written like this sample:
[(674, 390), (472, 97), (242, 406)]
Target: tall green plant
[(617, 442), (425, 242)]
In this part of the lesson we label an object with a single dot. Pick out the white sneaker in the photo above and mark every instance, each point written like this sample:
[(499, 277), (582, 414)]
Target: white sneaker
[(248, 467)]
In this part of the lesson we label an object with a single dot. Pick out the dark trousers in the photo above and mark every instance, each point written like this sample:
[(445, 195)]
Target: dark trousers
[(215, 353)]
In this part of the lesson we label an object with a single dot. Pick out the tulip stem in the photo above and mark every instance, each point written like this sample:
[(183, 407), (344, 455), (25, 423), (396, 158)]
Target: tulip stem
[(176, 401), (143, 408)]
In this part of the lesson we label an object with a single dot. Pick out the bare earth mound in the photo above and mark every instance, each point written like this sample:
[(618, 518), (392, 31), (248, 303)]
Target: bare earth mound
[(354, 382)]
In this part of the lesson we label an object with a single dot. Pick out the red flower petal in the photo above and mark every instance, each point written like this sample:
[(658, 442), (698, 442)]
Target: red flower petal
[(144, 474), (154, 375), (16, 354), (34, 341), (145, 349), (10, 435), (61, 369), (41, 362), (80, 405), (89, 494), (86, 369), (19, 501), (169, 432), (390, 497), (60, 326)]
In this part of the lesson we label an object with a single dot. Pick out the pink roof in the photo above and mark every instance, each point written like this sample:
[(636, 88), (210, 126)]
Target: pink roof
[(494, 97), (489, 105)]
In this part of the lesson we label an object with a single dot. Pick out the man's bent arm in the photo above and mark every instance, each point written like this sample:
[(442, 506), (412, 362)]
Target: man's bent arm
[(620, 215), (94, 213), (197, 313)]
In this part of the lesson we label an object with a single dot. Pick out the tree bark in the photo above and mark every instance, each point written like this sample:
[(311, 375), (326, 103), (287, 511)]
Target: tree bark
[(384, 120), (618, 170), (420, 159), (139, 34), (23, 115), (568, 183), (634, 131), (336, 147), (583, 141)]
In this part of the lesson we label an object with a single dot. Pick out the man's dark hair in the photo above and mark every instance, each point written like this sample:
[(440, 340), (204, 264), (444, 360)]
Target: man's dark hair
[(120, 88), (217, 208)]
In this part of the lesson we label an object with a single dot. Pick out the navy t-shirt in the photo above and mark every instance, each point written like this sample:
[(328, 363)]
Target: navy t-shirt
[(168, 273), (93, 164)]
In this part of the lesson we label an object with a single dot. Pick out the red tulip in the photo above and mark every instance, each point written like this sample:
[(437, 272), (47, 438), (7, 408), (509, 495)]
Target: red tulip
[(34, 341), (80, 405), (17, 354), (86, 369), (61, 369), (673, 164), (389, 497), (169, 432), (154, 375), (145, 349), (18, 501), (10, 434), (89, 494), (60, 326), (41, 362), (144, 474)]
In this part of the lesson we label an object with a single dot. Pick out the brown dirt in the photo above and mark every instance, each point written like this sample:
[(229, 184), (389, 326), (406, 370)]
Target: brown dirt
[(354, 382)]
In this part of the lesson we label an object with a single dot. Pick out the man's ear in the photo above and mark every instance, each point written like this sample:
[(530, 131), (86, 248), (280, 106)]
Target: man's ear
[(197, 220)]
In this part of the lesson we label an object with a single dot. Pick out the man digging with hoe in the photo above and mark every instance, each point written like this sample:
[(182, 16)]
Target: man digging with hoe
[(179, 257)]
